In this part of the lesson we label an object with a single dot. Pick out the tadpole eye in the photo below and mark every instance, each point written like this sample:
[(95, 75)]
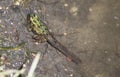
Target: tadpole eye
[(28, 17), (33, 15)]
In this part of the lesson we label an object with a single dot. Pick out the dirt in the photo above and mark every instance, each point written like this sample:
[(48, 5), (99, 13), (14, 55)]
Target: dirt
[(93, 28)]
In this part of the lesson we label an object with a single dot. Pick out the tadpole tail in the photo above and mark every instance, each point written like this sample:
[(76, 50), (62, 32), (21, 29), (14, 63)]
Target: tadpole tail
[(57, 45)]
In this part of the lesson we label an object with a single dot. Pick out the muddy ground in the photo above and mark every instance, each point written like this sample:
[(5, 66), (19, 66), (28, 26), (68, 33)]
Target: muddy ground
[(93, 28)]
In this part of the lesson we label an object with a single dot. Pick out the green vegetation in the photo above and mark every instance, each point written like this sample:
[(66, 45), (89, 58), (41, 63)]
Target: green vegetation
[(12, 48)]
